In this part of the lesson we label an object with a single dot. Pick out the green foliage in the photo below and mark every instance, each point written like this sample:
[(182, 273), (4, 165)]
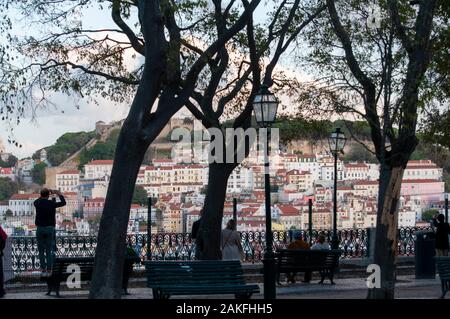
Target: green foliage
[(429, 214), (447, 180), (139, 196), (436, 128), (294, 128), (359, 153), (38, 173), (101, 150), (10, 162), (7, 188), (65, 146)]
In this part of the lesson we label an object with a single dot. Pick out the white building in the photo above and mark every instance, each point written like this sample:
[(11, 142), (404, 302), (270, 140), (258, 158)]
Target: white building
[(406, 217), (68, 181), (422, 169), (24, 167), (356, 171), (98, 169), (22, 204), (241, 179)]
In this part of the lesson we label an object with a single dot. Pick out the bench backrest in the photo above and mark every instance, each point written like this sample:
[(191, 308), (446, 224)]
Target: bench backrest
[(443, 266), (295, 258), (61, 264), (204, 272)]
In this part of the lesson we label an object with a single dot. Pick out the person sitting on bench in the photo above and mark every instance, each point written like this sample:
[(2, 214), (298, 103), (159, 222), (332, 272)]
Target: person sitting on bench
[(299, 243), (321, 243)]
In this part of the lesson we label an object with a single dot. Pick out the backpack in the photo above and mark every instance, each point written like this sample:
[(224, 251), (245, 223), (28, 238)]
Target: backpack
[(3, 238)]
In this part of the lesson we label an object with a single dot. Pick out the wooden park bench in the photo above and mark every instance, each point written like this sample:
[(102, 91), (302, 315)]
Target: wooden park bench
[(443, 267), (200, 277), (60, 271), (302, 260)]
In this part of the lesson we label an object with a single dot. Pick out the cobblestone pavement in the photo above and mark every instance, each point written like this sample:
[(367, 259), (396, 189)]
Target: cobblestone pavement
[(349, 288)]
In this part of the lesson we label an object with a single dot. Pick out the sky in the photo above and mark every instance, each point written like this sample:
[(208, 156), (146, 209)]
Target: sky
[(48, 125)]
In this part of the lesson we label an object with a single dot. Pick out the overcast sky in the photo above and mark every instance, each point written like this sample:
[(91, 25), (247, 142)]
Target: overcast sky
[(50, 124)]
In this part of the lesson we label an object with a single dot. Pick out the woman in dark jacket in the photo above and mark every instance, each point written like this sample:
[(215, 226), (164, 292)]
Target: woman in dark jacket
[(2, 246), (442, 233)]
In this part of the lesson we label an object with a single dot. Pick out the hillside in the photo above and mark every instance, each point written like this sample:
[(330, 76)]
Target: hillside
[(298, 135)]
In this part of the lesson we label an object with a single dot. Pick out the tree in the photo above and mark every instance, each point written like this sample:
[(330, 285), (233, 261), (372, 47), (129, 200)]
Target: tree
[(376, 72), (139, 196), (436, 127), (7, 188), (74, 60), (258, 50), (38, 173), (10, 162)]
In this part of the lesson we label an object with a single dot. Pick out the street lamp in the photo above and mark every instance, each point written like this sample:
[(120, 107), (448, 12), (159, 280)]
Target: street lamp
[(336, 141), (265, 105)]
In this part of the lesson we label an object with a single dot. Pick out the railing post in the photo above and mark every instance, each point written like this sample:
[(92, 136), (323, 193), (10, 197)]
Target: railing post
[(149, 228), (235, 212), (310, 220)]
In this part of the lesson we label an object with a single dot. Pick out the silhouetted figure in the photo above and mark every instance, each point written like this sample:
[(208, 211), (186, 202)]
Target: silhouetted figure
[(131, 257), (3, 238), (194, 235), (299, 243), (231, 242), (45, 222), (442, 233)]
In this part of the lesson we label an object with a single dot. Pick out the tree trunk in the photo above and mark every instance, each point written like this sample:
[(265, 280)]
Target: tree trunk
[(387, 230), (110, 252), (211, 225)]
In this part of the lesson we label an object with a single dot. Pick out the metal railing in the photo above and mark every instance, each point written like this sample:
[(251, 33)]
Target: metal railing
[(177, 246)]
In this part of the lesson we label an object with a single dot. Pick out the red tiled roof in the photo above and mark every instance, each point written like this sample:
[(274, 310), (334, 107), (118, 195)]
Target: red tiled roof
[(421, 166), (365, 182), (24, 196), (6, 170), (288, 210), (307, 156), (95, 200), (69, 171), (413, 181), (100, 162), (356, 165)]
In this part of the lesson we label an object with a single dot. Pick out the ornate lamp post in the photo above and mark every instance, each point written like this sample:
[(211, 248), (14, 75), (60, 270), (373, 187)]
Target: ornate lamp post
[(265, 105), (336, 142)]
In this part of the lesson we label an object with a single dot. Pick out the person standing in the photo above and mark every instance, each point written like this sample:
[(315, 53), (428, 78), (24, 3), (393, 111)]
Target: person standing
[(131, 258), (194, 236), (231, 242), (45, 223), (442, 233), (3, 238)]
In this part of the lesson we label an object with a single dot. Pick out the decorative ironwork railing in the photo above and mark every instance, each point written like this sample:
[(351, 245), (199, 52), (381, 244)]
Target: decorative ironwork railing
[(176, 246)]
